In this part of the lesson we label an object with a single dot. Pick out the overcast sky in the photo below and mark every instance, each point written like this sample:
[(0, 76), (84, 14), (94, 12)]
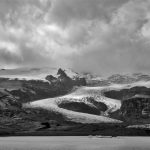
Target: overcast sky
[(101, 36)]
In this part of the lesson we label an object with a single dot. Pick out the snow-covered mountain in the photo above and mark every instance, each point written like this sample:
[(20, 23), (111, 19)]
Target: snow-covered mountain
[(117, 79), (92, 79), (77, 97), (33, 73)]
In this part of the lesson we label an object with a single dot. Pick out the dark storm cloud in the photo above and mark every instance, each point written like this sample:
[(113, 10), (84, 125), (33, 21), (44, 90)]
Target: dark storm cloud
[(65, 11)]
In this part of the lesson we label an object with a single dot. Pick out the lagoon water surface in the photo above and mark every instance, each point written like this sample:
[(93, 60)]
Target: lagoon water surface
[(74, 143)]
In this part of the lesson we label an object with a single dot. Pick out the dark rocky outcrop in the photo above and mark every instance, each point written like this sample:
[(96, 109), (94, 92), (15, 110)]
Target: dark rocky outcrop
[(135, 106), (8, 101), (136, 109), (51, 79), (9, 106), (63, 79), (99, 105), (80, 107), (49, 124), (95, 108), (62, 73), (76, 81), (127, 93)]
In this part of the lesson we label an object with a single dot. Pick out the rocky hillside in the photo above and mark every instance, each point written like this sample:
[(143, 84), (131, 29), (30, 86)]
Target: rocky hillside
[(8, 101), (69, 102), (30, 90), (127, 93), (136, 109)]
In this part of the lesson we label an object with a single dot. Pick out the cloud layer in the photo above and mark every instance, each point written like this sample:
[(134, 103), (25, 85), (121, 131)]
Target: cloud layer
[(102, 36)]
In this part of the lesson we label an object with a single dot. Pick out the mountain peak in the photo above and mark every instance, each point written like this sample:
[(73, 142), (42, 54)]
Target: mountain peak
[(61, 72)]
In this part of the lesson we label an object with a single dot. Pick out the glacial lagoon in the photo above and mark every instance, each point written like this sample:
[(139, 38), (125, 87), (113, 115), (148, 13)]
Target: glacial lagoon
[(74, 143)]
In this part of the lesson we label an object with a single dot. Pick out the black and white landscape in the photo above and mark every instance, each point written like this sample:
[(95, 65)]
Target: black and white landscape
[(75, 68), (51, 101)]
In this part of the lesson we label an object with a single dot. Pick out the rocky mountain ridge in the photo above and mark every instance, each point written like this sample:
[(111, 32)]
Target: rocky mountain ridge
[(30, 90), (71, 99)]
